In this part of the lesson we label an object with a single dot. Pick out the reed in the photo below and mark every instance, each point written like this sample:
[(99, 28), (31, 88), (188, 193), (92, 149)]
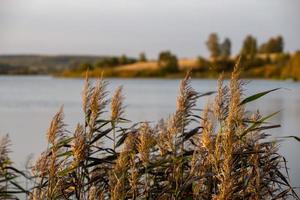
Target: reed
[(220, 153)]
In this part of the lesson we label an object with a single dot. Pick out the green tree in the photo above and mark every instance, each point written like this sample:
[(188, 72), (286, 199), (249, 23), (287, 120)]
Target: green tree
[(167, 62), (142, 57), (226, 48), (123, 60), (249, 48), (273, 45), (213, 45)]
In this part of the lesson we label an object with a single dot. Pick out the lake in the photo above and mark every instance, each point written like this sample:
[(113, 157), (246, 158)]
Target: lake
[(27, 104)]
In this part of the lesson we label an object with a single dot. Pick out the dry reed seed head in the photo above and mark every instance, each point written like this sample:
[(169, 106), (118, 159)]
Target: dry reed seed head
[(41, 165), (53, 167), (118, 175), (206, 125), (57, 127), (233, 121), (186, 100), (225, 173), (123, 158), (172, 130), (217, 150), (133, 179), (86, 92), (146, 141), (162, 137), (98, 101), (219, 98), (79, 145), (4, 150), (235, 110), (129, 143), (116, 106)]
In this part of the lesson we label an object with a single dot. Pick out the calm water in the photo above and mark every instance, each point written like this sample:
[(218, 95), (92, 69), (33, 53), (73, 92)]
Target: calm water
[(28, 103)]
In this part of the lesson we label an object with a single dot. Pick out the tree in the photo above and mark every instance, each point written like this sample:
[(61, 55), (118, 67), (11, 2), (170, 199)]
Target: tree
[(167, 62), (273, 45), (249, 48), (123, 60), (279, 44), (226, 48), (213, 45), (142, 57)]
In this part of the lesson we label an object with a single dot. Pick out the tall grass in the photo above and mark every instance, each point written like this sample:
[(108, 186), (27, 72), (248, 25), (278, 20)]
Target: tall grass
[(219, 152)]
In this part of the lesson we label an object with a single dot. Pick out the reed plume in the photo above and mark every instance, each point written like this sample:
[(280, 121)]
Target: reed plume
[(145, 142), (117, 107), (97, 101), (4, 150), (56, 129), (118, 180), (86, 93), (186, 101), (79, 146), (117, 111)]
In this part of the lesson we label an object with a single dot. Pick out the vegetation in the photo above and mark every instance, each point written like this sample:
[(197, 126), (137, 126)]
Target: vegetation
[(266, 60), (249, 48), (226, 48), (213, 45), (142, 57), (221, 153), (274, 45), (167, 62), (292, 69), (37, 64)]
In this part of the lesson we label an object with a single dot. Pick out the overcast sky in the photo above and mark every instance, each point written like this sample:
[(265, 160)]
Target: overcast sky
[(114, 27)]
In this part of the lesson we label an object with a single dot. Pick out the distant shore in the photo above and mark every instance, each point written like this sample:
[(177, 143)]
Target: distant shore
[(279, 67)]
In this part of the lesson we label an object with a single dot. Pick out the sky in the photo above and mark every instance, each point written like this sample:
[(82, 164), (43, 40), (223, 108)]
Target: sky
[(115, 27)]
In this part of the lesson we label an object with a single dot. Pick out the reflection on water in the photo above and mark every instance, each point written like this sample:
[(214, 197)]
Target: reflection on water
[(28, 103)]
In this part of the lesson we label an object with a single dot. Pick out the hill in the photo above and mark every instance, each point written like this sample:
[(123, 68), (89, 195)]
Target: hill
[(42, 64)]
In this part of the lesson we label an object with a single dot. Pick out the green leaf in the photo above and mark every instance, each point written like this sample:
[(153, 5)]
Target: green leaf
[(294, 137), (257, 123), (257, 96)]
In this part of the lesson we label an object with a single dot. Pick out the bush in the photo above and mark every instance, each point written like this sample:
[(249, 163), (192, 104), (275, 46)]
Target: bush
[(114, 61), (142, 57), (222, 64), (85, 66), (292, 69), (256, 61), (202, 65), (167, 62)]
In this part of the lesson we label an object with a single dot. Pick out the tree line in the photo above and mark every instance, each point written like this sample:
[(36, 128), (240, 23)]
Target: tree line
[(249, 47)]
